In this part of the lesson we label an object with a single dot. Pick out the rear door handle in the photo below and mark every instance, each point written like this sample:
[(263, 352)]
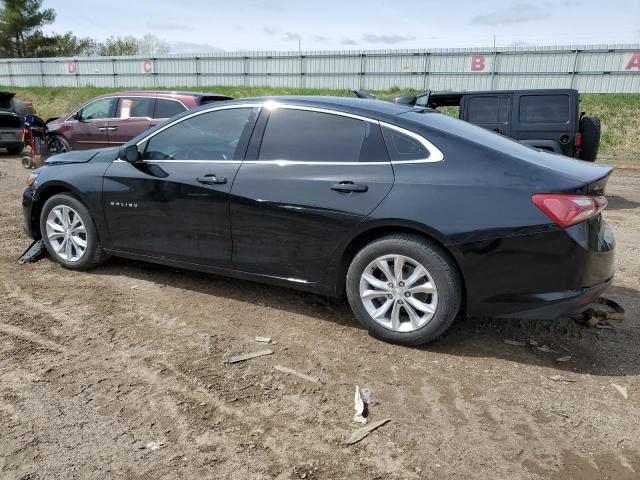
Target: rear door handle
[(345, 187), (210, 179)]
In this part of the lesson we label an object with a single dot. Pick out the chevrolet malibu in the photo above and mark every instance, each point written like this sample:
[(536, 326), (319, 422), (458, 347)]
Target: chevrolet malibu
[(414, 216)]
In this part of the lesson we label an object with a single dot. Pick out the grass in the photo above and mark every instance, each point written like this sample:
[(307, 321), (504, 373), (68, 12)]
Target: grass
[(619, 113)]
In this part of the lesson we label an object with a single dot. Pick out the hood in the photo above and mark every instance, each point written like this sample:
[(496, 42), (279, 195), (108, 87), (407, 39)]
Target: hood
[(75, 156)]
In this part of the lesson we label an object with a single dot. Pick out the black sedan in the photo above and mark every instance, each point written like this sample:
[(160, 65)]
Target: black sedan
[(415, 216)]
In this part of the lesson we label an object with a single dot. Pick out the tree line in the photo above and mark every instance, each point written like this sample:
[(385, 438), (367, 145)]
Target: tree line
[(21, 36)]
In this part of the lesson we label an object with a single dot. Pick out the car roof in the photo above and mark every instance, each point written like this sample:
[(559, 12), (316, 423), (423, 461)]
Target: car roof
[(498, 92), (166, 93), (362, 106)]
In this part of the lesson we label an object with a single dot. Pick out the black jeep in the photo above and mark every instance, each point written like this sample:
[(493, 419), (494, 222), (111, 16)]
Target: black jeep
[(545, 119)]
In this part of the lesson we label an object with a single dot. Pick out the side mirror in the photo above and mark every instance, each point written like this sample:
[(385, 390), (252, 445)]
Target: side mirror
[(129, 153), (77, 116)]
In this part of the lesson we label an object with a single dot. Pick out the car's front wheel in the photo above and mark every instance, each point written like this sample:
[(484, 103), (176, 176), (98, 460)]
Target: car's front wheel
[(58, 144), (404, 289), (69, 233)]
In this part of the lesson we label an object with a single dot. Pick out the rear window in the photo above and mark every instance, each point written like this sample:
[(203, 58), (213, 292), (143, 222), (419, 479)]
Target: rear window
[(402, 147), (488, 110), (300, 135), (166, 108), (544, 109)]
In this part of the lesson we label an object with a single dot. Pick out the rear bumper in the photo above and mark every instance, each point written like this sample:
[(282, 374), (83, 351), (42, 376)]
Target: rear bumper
[(543, 275)]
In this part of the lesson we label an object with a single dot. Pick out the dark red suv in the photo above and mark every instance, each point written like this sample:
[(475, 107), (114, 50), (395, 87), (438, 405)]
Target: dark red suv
[(113, 119)]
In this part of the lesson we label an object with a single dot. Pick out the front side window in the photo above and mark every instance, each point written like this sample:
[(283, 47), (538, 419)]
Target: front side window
[(98, 110), (209, 136), (544, 109), (168, 108), (300, 135)]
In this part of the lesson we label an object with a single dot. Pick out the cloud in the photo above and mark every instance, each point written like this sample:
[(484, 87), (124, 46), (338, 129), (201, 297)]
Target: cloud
[(348, 41), (319, 38), (192, 47), (290, 37), (169, 26), (269, 31), (386, 39), (511, 15)]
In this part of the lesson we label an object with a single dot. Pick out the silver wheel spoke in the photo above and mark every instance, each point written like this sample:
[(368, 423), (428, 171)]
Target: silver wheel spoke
[(58, 214), (66, 217), (66, 233), (423, 288), (383, 265), (423, 307), (369, 294), (79, 229), (380, 312), (398, 265), (417, 274), (55, 226), (395, 316), (374, 282), (60, 246), (414, 318)]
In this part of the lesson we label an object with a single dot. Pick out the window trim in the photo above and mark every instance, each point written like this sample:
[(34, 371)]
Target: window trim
[(435, 155), (118, 97)]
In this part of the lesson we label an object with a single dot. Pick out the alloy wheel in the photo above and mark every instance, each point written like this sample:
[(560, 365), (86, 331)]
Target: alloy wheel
[(66, 233), (399, 293)]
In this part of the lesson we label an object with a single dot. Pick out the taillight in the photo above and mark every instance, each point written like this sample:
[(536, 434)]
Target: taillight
[(578, 139), (567, 210)]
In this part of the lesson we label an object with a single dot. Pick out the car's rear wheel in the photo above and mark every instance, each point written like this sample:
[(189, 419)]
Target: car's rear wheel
[(69, 233), (15, 150), (404, 289), (590, 129), (58, 144)]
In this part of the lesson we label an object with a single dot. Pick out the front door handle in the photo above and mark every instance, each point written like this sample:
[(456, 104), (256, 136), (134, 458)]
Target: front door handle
[(346, 187), (210, 179)]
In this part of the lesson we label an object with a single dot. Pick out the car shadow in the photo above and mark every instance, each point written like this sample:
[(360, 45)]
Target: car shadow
[(593, 351), (615, 202)]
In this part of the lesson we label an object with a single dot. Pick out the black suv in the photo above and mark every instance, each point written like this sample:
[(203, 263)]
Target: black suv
[(546, 119)]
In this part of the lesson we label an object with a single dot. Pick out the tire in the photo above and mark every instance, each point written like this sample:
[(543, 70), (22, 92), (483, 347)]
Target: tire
[(58, 144), (15, 150), (27, 162), (413, 250), (92, 255), (590, 129)]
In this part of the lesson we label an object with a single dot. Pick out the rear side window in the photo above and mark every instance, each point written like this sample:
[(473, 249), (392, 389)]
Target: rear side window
[(488, 110), (209, 136), (544, 109), (166, 108), (300, 135), (403, 147), (135, 107)]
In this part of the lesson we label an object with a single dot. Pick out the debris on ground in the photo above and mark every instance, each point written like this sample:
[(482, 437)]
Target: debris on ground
[(515, 343), (599, 314), (566, 358), (263, 339), (560, 378), (546, 349), (359, 434), (291, 371), (622, 390), (35, 251), (154, 445), (248, 356), (367, 397), (359, 406)]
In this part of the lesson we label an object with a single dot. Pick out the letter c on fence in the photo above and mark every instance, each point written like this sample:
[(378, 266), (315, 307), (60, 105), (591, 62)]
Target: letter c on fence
[(477, 63), (71, 68), (147, 66)]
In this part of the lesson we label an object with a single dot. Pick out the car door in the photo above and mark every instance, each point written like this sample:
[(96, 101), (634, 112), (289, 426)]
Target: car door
[(174, 203), (133, 116), (489, 111), (89, 125), (309, 178)]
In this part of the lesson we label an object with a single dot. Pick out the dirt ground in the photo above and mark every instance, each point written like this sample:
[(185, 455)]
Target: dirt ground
[(118, 373)]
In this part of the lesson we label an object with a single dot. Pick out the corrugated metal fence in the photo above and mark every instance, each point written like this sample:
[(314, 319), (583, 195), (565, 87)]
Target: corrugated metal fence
[(588, 68)]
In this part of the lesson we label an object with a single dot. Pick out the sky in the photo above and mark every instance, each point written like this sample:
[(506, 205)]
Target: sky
[(192, 26)]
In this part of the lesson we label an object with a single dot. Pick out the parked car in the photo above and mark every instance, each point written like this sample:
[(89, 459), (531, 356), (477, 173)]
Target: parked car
[(415, 216), (548, 119), (12, 114), (115, 118)]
